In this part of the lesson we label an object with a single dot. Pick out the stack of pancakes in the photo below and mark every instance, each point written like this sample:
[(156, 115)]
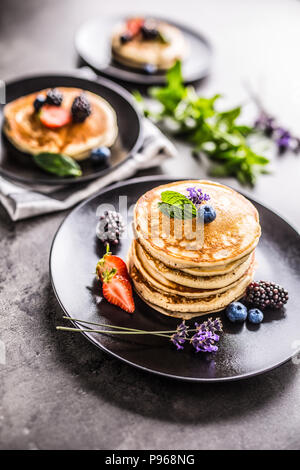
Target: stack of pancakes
[(185, 276)]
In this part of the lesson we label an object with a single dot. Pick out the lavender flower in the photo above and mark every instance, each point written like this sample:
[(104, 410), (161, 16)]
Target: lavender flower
[(214, 326), (282, 137), (197, 196), (179, 338), (283, 140), (205, 341), (265, 123), (205, 337)]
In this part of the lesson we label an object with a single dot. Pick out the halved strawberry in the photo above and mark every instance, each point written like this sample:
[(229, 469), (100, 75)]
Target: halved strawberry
[(108, 262), (134, 25), (117, 290), (54, 116)]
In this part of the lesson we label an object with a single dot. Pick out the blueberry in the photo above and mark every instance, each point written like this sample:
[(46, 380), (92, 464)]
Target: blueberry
[(208, 213), (39, 102), (236, 312), (150, 69), (255, 316), (100, 156)]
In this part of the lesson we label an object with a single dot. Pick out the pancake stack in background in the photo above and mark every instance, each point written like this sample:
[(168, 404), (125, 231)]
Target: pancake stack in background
[(184, 278)]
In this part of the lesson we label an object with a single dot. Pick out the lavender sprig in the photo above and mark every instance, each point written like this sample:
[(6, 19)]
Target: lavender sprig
[(197, 196), (205, 341), (281, 136), (214, 326), (204, 338), (181, 335)]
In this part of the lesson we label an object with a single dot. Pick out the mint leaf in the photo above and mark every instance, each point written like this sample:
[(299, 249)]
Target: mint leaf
[(173, 197), (214, 133), (57, 163), (176, 206)]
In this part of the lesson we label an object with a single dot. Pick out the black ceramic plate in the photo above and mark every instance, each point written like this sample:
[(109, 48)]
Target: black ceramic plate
[(245, 350), (19, 166), (93, 46)]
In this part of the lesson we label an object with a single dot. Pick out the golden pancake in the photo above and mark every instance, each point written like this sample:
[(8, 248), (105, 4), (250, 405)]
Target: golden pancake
[(156, 280), (178, 306), (26, 132), (138, 52), (158, 273), (216, 270), (231, 236)]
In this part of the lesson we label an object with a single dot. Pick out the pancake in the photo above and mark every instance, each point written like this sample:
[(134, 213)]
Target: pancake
[(175, 279), (180, 307), (138, 52), (215, 270), (161, 284), (233, 235), (25, 131)]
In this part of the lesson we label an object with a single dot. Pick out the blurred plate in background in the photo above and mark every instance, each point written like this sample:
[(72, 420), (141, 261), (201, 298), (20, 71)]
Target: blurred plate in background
[(93, 44)]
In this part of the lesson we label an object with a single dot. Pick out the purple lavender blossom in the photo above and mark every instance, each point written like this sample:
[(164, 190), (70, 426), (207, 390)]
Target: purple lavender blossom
[(197, 196), (283, 140), (179, 338), (205, 341), (282, 137), (214, 326), (265, 123)]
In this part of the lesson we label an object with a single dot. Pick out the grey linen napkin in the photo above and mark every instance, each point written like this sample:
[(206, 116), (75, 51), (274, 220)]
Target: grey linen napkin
[(22, 202)]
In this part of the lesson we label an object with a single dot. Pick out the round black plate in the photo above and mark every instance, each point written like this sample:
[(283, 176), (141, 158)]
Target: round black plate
[(93, 46), (245, 350), (19, 166)]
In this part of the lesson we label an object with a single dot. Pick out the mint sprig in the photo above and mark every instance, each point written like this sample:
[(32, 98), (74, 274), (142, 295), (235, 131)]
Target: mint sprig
[(57, 163), (216, 134), (176, 206)]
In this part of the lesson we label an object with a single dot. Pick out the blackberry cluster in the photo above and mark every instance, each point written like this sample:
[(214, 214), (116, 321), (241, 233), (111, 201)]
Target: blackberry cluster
[(81, 108), (265, 294), (110, 227), (149, 30), (54, 97)]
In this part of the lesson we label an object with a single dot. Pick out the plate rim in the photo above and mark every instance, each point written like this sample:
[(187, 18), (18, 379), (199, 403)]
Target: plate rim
[(107, 83), (89, 336), (138, 78)]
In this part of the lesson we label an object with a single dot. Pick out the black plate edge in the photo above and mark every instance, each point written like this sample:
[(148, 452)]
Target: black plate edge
[(145, 369), (77, 73)]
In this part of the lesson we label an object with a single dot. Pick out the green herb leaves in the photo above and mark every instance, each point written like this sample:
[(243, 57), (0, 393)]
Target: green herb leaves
[(176, 206), (61, 165), (214, 133)]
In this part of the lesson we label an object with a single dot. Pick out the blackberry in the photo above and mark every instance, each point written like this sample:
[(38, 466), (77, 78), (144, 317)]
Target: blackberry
[(265, 294), (149, 30), (110, 227), (54, 97), (81, 108)]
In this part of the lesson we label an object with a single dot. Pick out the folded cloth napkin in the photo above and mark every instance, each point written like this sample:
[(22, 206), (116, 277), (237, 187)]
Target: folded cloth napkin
[(22, 202)]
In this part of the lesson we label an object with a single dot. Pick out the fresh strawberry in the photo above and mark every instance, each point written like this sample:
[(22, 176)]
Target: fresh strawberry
[(134, 25), (117, 290), (108, 262), (54, 116)]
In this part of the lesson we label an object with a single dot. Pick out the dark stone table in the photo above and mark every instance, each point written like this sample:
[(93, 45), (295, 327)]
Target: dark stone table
[(57, 390)]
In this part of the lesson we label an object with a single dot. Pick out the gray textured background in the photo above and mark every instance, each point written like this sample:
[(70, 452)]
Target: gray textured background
[(57, 390)]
